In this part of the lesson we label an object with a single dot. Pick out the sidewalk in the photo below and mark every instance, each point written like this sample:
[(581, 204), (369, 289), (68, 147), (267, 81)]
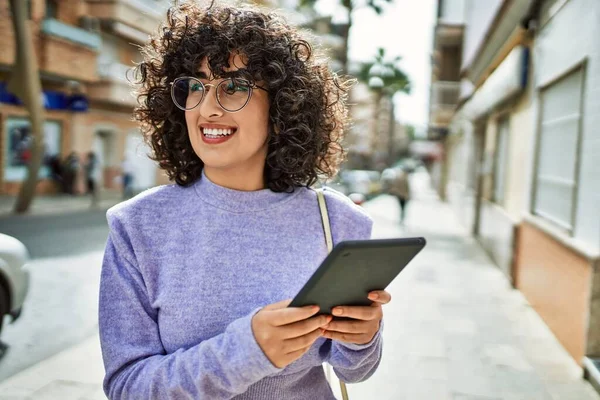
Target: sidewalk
[(61, 203), (455, 330)]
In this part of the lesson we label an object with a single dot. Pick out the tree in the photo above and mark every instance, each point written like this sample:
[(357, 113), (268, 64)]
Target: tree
[(350, 6), (385, 79), (25, 83)]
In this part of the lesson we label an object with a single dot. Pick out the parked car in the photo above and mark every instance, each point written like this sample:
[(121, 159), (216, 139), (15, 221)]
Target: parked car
[(338, 184), (361, 181), (14, 277)]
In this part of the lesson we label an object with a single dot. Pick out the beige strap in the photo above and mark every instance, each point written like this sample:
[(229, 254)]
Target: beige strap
[(329, 240), (325, 219)]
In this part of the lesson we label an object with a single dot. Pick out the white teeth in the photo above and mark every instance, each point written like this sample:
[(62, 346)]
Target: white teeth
[(217, 132)]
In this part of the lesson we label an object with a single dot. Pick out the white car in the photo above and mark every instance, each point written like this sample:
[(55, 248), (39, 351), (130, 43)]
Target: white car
[(14, 277)]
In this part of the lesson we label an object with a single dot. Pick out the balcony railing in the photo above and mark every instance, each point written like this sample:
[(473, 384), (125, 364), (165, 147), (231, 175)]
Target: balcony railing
[(114, 71), (144, 16), (448, 34), (114, 86), (445, 93), (71, 33)]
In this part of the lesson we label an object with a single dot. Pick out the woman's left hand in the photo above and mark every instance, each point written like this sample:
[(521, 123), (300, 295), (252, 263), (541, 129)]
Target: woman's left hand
[(364, 322)]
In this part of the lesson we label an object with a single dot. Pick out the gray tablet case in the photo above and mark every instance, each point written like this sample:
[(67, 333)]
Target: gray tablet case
[(353, 269)]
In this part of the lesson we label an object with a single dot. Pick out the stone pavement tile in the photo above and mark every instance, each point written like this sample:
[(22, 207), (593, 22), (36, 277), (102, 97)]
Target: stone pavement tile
[(95, 394), (463, 348), (435, 368), (506, 356), (468, 381), (466, 396), (551, 361), (421, 389), (581, 390), (62, 390), (510, 382), (14, 392), (461, 326), (427, 346), (400, 365), (531, 396)]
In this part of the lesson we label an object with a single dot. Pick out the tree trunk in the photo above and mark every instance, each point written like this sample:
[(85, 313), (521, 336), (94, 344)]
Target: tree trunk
[(375, 134), (392, 133), (346, 36), (25, 83)]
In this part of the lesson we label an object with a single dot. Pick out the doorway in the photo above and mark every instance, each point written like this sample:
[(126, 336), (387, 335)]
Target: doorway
[(103, 146)]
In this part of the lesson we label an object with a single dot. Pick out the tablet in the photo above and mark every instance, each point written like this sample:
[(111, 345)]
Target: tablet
[(355, 268)]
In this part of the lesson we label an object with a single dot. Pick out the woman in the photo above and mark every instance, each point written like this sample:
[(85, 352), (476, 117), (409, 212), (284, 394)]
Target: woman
[(243, 117)]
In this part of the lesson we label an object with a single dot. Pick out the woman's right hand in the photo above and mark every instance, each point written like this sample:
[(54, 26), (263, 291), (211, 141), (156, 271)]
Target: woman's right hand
[(285, 334)]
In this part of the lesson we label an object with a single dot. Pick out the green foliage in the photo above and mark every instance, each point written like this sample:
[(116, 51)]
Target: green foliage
[(394, 79)]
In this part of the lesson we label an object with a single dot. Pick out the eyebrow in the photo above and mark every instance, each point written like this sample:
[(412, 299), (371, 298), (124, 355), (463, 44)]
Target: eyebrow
[(201, 75)]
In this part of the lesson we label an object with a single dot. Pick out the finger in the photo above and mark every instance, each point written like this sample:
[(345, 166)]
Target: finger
[(355, 338), (302, 342), (289, 315), (380, 296), (301, 328), (358, 312), (278, 305), (352, 326)]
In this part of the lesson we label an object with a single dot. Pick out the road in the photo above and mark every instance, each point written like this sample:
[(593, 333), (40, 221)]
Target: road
[(61, 307)]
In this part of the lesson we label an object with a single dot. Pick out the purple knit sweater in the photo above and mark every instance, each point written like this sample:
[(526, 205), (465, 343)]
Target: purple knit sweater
[(184, 271)]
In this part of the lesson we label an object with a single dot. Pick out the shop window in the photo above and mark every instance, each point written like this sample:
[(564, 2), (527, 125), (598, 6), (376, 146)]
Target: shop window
[(18, 149), (51, 9), (501, 160), (559, 133)]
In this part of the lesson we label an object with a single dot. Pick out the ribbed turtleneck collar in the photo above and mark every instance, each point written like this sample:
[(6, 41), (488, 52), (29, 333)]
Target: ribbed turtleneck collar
[(237, 200)]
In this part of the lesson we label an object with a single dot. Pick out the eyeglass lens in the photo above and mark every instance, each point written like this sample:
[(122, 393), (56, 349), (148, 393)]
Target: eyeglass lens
[(232, 94)]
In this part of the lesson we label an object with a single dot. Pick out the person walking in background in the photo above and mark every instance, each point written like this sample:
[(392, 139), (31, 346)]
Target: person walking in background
[(400, 187), (70, 171), (127, 174), (91, 172)]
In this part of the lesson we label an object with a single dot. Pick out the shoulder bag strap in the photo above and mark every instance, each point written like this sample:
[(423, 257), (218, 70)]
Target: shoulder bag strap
[(329, 240)]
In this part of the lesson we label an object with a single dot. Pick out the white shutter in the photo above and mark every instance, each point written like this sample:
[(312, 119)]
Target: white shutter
[(557, 151)]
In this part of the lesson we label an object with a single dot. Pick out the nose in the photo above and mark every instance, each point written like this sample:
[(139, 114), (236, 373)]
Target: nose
[(209, 107)]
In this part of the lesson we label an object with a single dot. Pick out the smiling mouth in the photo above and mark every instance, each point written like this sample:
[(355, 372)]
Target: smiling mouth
[(217, 133)]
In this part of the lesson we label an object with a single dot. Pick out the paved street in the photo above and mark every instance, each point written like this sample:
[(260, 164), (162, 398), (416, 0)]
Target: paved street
[(56, 235), (454, 330), (61, 307)]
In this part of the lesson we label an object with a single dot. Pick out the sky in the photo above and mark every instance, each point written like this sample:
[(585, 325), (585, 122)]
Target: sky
[(405, 29)]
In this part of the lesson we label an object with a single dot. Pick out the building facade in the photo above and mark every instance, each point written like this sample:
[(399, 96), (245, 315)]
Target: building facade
[(84, 51), (520, 153)]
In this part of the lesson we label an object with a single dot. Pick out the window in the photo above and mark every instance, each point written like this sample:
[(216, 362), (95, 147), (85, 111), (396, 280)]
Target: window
[(558, 142), (18, 152), (501, 160), (51, 9)]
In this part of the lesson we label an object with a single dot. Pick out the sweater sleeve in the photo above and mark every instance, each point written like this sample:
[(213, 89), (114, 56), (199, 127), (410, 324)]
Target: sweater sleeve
[(356, 363), (137, 365), (351, 362)]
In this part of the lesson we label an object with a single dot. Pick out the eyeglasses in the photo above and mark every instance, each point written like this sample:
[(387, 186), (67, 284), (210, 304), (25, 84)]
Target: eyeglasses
[(232, 93)]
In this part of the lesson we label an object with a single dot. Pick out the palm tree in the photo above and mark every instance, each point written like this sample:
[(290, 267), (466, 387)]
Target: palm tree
[(385, 79), (350, 6), (25, 83)]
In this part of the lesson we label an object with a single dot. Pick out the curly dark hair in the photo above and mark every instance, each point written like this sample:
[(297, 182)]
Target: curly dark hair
[(307, 113)]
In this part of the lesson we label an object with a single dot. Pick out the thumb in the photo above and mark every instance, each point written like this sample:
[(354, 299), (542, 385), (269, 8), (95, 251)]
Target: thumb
[(278, 305)]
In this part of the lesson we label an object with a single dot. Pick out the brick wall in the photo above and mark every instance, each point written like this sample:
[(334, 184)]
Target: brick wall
[(68, 59)]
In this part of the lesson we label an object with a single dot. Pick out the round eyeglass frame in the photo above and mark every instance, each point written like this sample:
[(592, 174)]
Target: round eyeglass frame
[(205, 85)]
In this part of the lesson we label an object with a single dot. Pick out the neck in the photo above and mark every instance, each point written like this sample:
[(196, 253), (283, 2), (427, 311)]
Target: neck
[(244, 180)]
